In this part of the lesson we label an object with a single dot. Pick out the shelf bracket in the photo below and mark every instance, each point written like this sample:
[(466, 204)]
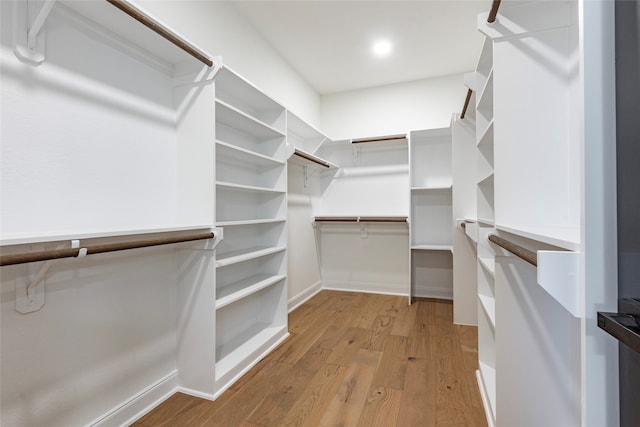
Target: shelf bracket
[(29, 19)]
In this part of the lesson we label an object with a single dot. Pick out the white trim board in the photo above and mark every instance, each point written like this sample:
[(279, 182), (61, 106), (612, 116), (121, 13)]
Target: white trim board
[(304, 296), (369, 288), (140, 404)]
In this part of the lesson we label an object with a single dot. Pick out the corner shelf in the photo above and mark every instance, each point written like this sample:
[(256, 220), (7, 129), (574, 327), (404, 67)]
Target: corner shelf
[(234, 118)]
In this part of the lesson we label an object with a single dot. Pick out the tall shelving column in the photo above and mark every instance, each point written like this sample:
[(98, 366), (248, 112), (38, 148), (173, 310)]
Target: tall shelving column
[(486, 220), (431, 221), (251, 186)]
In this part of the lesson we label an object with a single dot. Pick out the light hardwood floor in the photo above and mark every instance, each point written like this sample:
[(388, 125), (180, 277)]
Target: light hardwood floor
[(352, 359)]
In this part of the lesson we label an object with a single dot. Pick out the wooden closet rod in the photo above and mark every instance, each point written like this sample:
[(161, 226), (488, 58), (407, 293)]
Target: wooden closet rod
[(494, 11), (26, 257), (466, 103), (153, 25), (360, 219), (312, 158), (527, 255), (379, 138)]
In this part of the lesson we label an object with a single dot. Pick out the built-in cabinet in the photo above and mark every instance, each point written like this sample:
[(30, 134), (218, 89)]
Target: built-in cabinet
[(251, 262)]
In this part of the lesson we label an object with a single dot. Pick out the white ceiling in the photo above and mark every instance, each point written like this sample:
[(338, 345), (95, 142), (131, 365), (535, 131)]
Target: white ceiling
[(329, 42)]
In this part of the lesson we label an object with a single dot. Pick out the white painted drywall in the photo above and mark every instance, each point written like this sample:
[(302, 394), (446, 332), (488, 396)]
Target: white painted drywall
[(218, 28), (392, 109), (303, 258)]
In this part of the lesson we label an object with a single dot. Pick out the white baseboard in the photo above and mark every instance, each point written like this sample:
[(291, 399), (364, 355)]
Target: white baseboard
[(190, 392), (438, 293), (304, 296), (370, 288), (140, 404)]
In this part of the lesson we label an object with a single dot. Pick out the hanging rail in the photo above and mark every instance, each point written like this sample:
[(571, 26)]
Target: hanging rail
[(380, 138), (466, 103), (26, 257), (360, 219), (495, 5), (312, 158), (527, 255), (155, 26)]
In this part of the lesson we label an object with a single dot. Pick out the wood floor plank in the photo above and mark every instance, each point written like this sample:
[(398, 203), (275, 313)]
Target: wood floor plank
[(393, 364), (381, 408), (348, 401), (404, 319), (353, 359), (311, 405)]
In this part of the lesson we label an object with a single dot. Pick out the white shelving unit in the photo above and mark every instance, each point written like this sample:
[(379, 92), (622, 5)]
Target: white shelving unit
[(251, 187), (486, 218), (431, 213)]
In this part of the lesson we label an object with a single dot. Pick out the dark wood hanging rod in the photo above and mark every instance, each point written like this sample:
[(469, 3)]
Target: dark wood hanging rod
[(360, 219), (312, 158), (153, 25), (26, 257), (495, 5), (527, 255), (380, 138), (466, 103)]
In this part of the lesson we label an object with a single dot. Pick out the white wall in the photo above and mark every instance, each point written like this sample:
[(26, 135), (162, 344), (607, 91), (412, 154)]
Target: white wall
[(219, 29), (392, 109), (303, 258)]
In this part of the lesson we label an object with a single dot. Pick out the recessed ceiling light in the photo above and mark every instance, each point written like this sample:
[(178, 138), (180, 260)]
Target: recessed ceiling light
[(382, 47)]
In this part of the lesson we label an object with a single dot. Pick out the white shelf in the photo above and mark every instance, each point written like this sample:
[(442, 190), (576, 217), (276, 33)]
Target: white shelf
[(432, 248), (486, 180), (486, 221), (235, 91), (235, 257), (242, 187), (444, 186), (238, 154), (243, 288), (485, 100), (486, 139), (489, 305), (232, 353), (112, 19), (489, 264), (234, 118), (249, 222), (562, 236)]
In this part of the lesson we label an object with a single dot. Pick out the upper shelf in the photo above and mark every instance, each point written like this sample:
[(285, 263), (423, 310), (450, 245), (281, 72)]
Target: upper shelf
[(139, 28), (238, 119)]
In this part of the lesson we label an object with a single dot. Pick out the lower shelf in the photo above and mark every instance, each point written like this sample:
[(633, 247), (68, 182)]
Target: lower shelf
[(486, 376), (236, 354), (432, 248)]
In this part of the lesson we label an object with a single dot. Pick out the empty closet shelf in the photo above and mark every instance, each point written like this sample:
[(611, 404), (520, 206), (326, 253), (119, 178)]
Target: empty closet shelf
[(249, 222), (445, 186), (489, 306), (236, 119), (143, 30), (313, 158), (235, 257), (231, 153), (232, 353), (235, 291), (242, 187), (488, 264), (432, 248)]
